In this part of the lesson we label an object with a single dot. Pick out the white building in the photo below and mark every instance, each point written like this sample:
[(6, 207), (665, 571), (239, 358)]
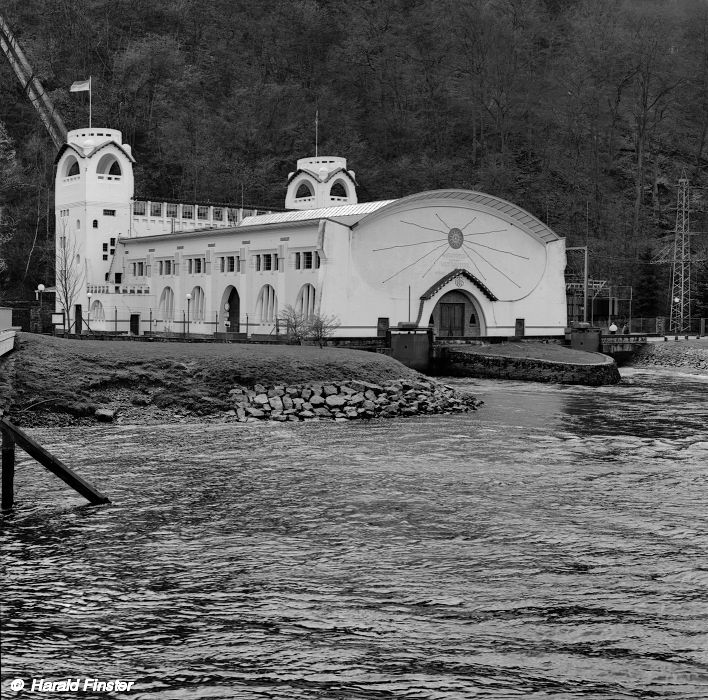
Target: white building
[(469, 263)]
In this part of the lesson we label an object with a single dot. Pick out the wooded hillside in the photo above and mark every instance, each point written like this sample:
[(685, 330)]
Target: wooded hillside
[(585, 112)]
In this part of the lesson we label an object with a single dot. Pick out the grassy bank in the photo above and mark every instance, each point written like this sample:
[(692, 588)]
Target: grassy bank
[(683, 354), (74, 377)]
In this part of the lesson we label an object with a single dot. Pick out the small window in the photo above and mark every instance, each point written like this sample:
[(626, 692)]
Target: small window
[(307, 260), (78, 225), (109, 212), (73, 168), (141, 269), (275, 261), (112, 251), (105, 247), (238, 264), (139, 208), (155, 208), (231, 263), (267, 262), (105, 257), (197, 266), (298, 261), (189, 265), (119, 277), (160, 267), (113, 241), (187, 211), (95, 223), (258, 263), (338, 191), (218, 214), (168, 267), (305, 190), (202, 212), (317, 260), (133, 268), (171, 211)]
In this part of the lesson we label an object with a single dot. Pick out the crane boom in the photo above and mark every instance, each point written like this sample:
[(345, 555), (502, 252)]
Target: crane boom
[(31, 85)]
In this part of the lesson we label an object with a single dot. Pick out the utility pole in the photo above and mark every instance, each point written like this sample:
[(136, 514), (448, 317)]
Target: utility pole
[(677, 251)]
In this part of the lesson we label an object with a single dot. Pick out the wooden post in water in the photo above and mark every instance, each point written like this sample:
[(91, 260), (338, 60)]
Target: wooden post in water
[(12, 435), (8, 471)]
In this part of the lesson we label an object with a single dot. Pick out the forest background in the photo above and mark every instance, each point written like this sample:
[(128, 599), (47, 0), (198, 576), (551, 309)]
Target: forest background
[(584, 112)]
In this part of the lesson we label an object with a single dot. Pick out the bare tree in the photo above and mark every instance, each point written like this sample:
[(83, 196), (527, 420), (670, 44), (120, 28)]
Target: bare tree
[(69, 273), (296, 324), (320, 328)]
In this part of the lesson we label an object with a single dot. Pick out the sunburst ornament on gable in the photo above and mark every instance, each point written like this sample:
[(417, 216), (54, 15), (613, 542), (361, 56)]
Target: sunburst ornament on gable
[(455, 238)]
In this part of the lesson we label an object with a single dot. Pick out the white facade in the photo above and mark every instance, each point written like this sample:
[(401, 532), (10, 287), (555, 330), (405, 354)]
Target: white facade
[(468, 263)]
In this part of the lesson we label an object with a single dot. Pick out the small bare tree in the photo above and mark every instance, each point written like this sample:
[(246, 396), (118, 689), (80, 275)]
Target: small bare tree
[(69, 273), (296, 324), (320, 328)]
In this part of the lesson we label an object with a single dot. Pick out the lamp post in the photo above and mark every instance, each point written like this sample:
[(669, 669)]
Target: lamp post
[(88, 312), (40, 291), (189, 299)]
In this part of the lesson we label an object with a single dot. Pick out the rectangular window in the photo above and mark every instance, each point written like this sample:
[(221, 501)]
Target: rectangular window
[(275, 261), (160, 267), (222, 264), (197, 266), (317, 260), (105, 257), (105, 247), (307, 260), (238, 264), (132, 269), (189, 266), (109, 212), (155, 208), (168, 267), (113, 241), (171, 211), (267, 262), (187, 211), (202, 212), (218, 214), (112, 251), (231, 266), (139, 208), (258, 263), (297, 261), (141, 269)]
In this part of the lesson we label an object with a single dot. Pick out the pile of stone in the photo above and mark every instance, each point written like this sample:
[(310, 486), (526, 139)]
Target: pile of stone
[(347, 401), (681, 354)]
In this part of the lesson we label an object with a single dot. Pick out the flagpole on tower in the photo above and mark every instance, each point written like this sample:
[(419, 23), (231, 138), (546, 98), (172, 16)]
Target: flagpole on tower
[(317, 124), (90, 91)]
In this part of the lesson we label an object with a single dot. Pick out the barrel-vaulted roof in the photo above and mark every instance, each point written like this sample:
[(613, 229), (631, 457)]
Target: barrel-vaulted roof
[(80, 151), (477, 200)]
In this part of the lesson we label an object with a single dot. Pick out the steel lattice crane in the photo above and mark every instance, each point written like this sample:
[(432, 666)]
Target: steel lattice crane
[(31, 85)]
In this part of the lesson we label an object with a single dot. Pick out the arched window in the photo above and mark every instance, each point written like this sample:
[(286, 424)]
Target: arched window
[(95, 223), (97, 311), (167, 304), (108, 166), (338, 190), (305, 190), (71, 167), (305, 303), (267, 304), (197, 304)]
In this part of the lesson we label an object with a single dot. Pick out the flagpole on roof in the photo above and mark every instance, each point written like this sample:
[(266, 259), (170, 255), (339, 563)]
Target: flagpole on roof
[(89, 101)]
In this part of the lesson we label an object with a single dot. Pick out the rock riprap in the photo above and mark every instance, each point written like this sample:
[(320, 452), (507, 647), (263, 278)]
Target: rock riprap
[(347, 401)]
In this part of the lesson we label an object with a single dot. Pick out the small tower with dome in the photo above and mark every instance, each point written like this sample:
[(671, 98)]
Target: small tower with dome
[(94, 187), (319, 182)]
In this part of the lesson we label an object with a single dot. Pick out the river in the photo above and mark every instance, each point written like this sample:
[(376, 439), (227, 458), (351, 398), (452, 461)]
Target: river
[(552, 544)]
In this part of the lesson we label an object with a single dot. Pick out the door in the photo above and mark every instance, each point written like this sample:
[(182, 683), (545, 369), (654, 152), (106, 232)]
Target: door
[(135, 324), (452, 320), (78, 319), (234, 305)]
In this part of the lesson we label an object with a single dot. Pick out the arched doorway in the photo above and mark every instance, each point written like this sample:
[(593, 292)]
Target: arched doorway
[(457, 314), (232, 309)]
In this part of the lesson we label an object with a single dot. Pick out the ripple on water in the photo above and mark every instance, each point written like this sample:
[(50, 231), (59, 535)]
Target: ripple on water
[(551, 544)]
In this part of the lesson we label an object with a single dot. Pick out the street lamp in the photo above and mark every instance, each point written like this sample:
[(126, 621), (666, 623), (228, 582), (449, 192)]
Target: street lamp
[(40, 291), (189, 299), (88, 313)]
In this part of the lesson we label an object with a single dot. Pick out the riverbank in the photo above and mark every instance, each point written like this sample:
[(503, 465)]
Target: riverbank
[(53, 381), (531, 361), (691, 355)]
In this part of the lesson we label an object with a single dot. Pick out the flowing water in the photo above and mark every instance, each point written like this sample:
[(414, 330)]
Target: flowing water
[(552, 544)]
